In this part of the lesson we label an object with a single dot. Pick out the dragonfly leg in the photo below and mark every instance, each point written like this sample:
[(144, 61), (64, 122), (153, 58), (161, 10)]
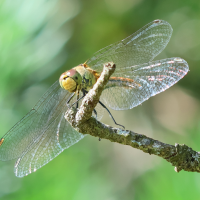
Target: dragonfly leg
[(70, 98), (110, 114), (77, 100), (84, 92), (95, 112)]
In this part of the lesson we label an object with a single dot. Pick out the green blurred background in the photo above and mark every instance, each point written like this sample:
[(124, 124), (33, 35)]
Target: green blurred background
[(40, 39)]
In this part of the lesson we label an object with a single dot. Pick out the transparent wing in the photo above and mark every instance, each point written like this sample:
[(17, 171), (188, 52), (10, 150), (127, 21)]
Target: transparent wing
[(47, 146), (99, 110), (140, 47), (41, 135), (140, 82)]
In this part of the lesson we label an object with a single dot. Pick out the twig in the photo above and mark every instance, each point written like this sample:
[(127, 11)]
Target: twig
[(180, 156)]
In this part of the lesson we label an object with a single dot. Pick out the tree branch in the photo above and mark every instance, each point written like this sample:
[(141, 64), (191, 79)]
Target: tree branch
[(180, 156)]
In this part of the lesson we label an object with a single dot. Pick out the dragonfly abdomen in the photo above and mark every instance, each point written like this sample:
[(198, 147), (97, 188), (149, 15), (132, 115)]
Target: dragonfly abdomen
[(126, 83)]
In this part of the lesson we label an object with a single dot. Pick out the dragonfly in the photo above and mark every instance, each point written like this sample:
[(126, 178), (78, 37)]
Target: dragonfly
[(44, 133)]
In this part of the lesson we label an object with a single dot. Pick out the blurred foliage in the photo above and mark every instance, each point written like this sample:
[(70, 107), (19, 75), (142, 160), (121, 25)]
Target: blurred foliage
[(40, 39)]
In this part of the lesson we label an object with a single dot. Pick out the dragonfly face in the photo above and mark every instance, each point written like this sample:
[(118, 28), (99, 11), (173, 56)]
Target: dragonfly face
[(44, 132), (78, 78), (70, 80)]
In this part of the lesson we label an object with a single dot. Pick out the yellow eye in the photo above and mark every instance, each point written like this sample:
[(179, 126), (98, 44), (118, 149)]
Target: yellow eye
[(67, 83), (70, 80)]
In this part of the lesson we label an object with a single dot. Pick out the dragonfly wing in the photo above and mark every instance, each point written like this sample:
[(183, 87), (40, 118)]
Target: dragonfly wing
[(47, 146), (100, 111), (43, 121), (140, 47), (143, 81)]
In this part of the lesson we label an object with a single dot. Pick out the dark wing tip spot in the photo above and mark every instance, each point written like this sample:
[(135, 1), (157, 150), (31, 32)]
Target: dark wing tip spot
[(157, 21)]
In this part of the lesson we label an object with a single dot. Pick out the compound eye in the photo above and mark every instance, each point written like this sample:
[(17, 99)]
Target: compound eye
[(71, 72), (70, 80), (67, 83)]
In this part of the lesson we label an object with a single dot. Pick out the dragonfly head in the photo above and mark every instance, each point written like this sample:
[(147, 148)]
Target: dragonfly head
[(70, 80)]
